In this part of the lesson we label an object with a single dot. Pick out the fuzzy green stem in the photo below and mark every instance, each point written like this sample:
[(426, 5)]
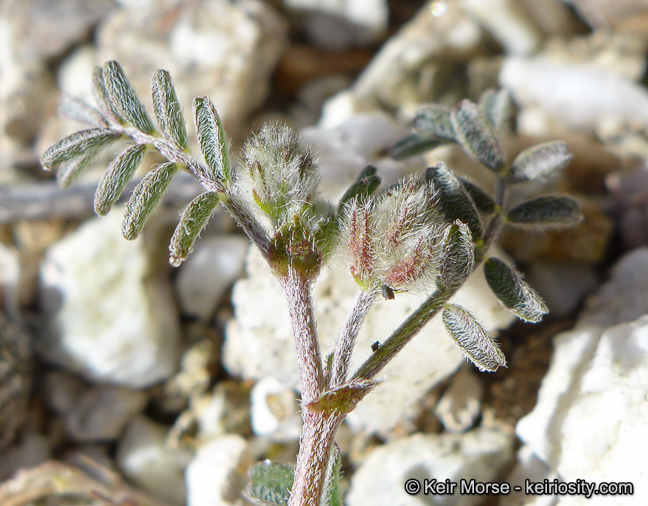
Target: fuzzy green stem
[(348, 334), (315, 447), (403, 334), (297, 290), (319, 427)]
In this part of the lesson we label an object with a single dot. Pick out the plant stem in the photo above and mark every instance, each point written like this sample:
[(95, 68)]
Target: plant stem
[(403, 334), (300, 306), (348, 334), (319, 427), (315, 448)]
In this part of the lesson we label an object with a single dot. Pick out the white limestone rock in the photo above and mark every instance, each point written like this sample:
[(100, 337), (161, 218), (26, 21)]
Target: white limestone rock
[(591, 418), (275, 411), (32, 33), (624, 297), (528, 467), (507, 22), (259, 344), (144, 458), (578, 95), (405, 72), (479, 454), (340, 24), (402, 73), (40, 30), (216, 475), (110, 318), (224, 50), (460, 404), (74, 76), (224, 410), (349, 146), (208, 272)]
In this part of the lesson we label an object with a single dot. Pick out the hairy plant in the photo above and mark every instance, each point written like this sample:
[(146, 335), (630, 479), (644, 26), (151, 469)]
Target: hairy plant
[(427, 233)]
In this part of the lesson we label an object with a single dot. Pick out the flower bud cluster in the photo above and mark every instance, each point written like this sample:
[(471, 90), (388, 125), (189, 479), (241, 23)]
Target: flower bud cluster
[(393, 239), (279, 180), (279, 176)]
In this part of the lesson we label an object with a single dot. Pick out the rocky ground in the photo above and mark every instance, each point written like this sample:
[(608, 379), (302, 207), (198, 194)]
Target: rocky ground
[(124, 381)]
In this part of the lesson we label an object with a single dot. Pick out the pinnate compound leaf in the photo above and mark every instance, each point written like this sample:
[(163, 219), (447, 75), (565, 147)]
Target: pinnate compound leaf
[(78, 144), (211, 137), (146, 197), (365, 185), (476, 134), (545, 212), (193, 221), (457, 255), (455, 202), (472, 338), (269, 484), (122, 95), (332, 493), (119, 173), (167, 109), (513, 291), (483, 201), (497, 107), (434, 119), (539, 161), (415, 144)]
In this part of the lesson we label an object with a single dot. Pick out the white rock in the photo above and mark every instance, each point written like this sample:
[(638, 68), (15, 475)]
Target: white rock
[(144, 458), (42, 30), (399, 75), (344, 150), (216, 475), (339, 24), (479, 454), (259, 344), (339, 108), (624, 297), (224, 410), (111, 319), (75, 74), (225, 50), (275, 411), (208, 272), (528, 467), (102, 412), (312, 96), (591, 418), (460, 404), (553, 17), (579, 96), (506, 21)]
